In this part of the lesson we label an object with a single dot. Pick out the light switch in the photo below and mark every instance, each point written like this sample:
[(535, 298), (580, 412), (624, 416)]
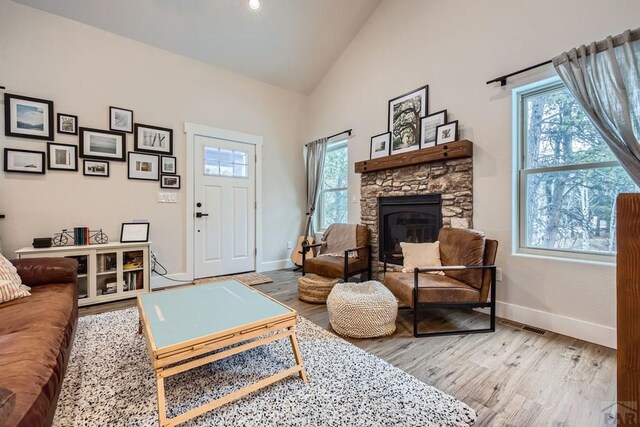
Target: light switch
[(167, 197)]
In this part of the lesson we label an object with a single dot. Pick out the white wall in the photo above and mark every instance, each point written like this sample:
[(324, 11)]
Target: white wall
[(455, 46), (85, 70)]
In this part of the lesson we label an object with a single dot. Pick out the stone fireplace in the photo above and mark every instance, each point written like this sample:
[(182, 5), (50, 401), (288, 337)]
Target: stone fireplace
[(446, 185)]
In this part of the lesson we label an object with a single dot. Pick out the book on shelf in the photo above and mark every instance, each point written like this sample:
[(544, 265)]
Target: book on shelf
[(81, 236)]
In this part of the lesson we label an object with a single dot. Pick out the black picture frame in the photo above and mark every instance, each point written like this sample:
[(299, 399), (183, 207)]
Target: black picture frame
[(9, 115), (88, 153), (387, 148), (128, 129), (151, 175), (424, 143), (51, 158), (142, 146), (139, 229), (448, 140), (175, 165), (41, 154), (75, 124), (86, 164), (163, 185), (423, 93)]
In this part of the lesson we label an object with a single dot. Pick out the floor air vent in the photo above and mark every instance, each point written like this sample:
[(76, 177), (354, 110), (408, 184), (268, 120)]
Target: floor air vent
[(534, 330), (522, 326)]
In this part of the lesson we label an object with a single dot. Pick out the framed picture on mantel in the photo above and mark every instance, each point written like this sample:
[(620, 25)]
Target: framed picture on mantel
[(447, 133), (404, 119), (428, 125), (379, 145)]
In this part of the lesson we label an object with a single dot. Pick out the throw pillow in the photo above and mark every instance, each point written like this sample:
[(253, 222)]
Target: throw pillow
[(8, 271), (10, 290), (421, 255)]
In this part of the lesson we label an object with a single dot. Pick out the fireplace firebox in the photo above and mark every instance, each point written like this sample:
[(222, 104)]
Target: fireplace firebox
[(414, 219)]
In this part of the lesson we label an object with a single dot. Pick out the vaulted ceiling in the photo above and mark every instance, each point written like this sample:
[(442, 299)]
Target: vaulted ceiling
[(287, 43)]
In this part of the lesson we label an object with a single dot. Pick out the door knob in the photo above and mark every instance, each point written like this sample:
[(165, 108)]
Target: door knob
[(200, 214)]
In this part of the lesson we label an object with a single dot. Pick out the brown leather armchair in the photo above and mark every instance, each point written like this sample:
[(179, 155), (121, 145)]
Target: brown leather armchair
[(468, 259), (341, 267)]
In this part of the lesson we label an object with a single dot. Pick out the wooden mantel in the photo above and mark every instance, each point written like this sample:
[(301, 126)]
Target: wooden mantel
[(453, 150)]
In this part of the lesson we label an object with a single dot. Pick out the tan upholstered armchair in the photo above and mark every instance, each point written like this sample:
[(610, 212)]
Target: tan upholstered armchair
[(468, 260), (351, 261)]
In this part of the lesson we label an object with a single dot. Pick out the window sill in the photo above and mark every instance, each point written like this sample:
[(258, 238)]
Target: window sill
[(578, 259)]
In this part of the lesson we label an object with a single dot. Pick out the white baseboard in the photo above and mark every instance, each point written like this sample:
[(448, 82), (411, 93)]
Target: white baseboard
[(165, 281), (586, 331), (184, 278), (275, 265)]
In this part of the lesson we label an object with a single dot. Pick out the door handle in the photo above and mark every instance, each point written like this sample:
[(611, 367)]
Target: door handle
[(200, 214)]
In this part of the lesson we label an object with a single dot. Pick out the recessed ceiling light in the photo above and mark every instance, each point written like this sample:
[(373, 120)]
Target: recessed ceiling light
[(254, 4)]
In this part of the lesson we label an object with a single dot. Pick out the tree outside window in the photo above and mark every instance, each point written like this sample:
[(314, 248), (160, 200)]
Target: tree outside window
[(333, 206), (568, 177)]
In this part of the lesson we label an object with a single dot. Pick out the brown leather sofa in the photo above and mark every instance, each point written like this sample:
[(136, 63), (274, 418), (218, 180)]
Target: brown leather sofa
[(36, 335), (341, 267), (468, 259)]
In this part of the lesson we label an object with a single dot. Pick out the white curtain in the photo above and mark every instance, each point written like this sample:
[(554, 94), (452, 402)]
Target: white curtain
[(315, 153), (604, 78)]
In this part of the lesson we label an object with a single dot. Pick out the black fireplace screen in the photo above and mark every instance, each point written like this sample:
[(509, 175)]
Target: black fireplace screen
[(413, 219)]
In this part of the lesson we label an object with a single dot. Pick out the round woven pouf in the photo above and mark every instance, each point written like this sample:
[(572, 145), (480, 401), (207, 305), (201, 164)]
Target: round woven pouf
[(315, 289), (362, 310)]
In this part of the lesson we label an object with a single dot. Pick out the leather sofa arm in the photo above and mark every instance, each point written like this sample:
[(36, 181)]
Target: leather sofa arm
[(42, 271)]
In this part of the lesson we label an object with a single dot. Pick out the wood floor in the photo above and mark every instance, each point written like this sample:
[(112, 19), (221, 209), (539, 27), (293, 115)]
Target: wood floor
[(511, 377)]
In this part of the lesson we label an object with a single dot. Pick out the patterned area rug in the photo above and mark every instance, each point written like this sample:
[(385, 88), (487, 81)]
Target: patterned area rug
[(110, 382), (250, 279)]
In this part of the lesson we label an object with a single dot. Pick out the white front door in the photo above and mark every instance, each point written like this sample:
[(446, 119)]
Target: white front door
[(224, 205)]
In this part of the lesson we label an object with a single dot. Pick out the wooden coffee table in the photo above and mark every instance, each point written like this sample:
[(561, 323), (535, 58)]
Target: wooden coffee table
[(192, 322)]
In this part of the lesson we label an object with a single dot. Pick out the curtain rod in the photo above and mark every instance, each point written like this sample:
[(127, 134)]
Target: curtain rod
[(503, 79), (340, 133), (337, 134)]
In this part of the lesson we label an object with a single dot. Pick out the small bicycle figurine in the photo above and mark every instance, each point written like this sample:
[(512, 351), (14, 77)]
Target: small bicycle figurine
[(62, 239)]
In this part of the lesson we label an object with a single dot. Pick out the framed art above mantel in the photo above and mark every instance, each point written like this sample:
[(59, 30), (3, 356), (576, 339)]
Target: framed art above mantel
[(404, 119)]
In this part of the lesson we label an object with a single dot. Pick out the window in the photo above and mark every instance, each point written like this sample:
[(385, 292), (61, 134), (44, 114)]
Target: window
[(221, 162), (333, 206), (568, 179)]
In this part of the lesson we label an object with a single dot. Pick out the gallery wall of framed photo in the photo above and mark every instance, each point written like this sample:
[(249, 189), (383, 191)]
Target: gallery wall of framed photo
[(411, 127), (28, 117)]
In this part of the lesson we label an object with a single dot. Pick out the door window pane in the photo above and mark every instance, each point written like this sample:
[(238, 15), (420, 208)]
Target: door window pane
[(223, 162)]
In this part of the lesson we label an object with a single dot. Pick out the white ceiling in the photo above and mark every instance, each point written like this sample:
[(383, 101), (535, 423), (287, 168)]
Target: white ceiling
[(288, 43)]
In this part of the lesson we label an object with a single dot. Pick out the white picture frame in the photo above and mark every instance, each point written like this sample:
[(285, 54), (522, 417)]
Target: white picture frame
[(428, 126), (134, 232)]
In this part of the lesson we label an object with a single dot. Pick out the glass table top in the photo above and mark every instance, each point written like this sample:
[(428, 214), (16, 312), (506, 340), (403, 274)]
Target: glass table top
[(184, 314)]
